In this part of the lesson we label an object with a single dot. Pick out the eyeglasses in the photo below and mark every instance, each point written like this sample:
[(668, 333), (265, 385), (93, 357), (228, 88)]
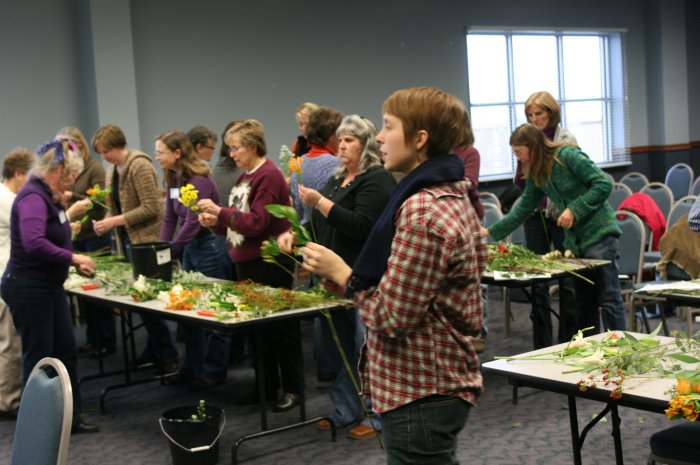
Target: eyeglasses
[(233, 148), (160, 154)]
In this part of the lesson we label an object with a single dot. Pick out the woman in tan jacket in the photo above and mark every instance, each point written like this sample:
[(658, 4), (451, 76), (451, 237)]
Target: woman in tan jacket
[(136, 213)]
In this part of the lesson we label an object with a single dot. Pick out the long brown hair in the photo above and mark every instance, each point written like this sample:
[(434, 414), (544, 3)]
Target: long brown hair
[(542, 153), (188, 165)]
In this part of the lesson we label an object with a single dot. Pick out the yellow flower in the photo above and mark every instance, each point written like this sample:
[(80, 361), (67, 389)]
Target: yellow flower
[(189, 197)]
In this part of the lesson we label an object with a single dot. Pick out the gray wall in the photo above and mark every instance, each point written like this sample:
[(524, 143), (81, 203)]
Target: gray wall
[(211, 61)]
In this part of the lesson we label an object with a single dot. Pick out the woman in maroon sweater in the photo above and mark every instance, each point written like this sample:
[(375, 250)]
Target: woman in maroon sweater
[(247, 224)]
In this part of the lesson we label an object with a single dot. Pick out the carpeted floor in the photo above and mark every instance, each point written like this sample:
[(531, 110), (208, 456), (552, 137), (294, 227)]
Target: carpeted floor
[(535, 431)]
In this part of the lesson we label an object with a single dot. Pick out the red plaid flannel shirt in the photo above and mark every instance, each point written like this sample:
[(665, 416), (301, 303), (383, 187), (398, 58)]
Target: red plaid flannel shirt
[(426, 310)]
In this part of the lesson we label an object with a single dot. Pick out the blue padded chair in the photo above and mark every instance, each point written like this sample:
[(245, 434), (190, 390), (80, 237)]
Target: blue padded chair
[(631, 261), (661, 194), (45, 416), (619, 193), (695, 188), (489, 197), (634, 180), (679, 178), (677, 445)]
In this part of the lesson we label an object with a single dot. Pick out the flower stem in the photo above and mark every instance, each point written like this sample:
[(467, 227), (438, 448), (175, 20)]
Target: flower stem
[(327, 314)]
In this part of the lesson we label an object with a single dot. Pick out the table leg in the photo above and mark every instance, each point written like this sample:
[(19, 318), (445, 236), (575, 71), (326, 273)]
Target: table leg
[(575, 439)]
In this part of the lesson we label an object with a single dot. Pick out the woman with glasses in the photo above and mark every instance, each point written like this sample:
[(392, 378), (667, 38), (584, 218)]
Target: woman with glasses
[(247, 224)]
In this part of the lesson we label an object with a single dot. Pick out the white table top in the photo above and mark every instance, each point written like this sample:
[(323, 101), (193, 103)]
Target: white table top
[(552, 375)]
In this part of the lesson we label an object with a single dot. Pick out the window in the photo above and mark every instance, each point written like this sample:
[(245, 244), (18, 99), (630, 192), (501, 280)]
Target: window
[(583, 70)]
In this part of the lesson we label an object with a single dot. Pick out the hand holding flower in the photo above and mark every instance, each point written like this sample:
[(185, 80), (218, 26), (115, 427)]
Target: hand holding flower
[(309, 196), (324, 262), (286, 242), (79, 208), (207, 219), (209, 206)]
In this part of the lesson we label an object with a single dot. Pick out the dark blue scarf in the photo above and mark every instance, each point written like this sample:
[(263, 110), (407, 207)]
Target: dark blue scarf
[(372, 261)]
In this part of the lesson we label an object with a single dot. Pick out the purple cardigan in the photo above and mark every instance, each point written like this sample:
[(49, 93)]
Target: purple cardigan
[(40, 235), (175, 213)]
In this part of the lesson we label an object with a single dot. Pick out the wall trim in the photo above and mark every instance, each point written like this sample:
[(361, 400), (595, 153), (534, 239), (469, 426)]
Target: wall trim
[(665, 148)]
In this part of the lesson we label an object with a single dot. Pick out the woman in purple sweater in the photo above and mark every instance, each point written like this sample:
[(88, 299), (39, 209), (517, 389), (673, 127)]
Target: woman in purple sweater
[(206, 359), (41, 253), (247, 224)]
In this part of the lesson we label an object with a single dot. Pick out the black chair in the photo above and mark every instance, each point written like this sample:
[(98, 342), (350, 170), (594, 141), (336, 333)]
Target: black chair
[(677, 445)]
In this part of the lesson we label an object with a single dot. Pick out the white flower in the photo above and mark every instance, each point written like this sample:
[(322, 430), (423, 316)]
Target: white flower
[(140, 284), (579, 341), (595, 359), (164, 296)]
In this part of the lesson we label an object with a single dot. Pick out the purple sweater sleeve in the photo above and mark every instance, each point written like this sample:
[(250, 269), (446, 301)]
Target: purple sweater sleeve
[(190, 221), (32, 214)]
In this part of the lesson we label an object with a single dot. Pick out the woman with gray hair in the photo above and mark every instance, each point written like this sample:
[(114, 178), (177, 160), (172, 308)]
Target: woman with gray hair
[(40, 255), (345, 210)]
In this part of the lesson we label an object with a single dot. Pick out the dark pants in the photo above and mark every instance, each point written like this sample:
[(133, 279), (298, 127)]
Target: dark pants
[(101, 327), (42, 318), (280, 341), (542, 235), (207, 350), (425, 431)]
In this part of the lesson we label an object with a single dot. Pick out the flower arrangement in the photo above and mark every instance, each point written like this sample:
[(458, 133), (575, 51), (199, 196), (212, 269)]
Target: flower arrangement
[(285, 156), (179, 298), (270, 249), (295, 167), (619, 356), (519, 261), (97, 195), (201, 413), (189, 197), (686, 400)]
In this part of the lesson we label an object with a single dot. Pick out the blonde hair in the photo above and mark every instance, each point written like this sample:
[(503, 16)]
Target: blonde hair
[(76, 136), (59, 153), (251, 133), (306, 108), (545, 100)]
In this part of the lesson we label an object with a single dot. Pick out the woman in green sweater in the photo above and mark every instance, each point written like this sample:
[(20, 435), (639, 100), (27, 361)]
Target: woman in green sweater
[(580, 191)]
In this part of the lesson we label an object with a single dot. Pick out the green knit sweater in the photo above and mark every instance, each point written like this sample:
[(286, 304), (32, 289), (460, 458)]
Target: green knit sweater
[(577, 184)]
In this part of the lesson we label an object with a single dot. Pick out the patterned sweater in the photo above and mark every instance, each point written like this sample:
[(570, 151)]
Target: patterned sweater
[(578, 184), (423, 315)]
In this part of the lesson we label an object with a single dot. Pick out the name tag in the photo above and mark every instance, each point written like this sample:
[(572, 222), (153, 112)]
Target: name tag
[(174, 193), (62, 216)]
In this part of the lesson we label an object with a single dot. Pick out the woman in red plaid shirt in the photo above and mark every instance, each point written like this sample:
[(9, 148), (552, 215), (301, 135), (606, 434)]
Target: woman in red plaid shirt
[(416, 283)]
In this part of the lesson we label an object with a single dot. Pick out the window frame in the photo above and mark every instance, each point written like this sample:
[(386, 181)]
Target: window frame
[(613, 98)]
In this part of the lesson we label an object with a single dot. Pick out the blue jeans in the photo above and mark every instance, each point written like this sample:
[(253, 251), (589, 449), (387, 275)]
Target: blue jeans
[(425, 431), (207, 350), (101, 327), (42, 318), (606, 290), (343, 393)]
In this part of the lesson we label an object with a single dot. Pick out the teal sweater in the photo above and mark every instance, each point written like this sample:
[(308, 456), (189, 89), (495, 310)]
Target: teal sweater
[(577, 184)]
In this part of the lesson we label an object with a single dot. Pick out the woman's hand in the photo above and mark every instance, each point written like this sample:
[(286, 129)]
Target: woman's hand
[(485, 232), (84, 264), (286, 242), (566, 219), (79, 209), (309, 196), (75, 228), (104, 226), (209, 206), (325, 263), (333, 288), (208, 220)]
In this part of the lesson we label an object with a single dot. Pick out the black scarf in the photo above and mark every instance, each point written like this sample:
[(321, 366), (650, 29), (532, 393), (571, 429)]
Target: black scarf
[(372, 261)]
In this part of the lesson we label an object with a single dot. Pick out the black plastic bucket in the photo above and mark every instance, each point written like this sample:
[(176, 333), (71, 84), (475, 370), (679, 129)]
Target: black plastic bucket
[(193, 442), (152, 259)]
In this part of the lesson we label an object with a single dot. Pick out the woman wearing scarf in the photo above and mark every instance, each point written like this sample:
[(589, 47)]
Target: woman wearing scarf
[(416, 282)]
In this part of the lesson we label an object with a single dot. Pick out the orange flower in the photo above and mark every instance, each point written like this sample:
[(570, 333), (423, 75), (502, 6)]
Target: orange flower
[(295, 164), (683, 386)]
